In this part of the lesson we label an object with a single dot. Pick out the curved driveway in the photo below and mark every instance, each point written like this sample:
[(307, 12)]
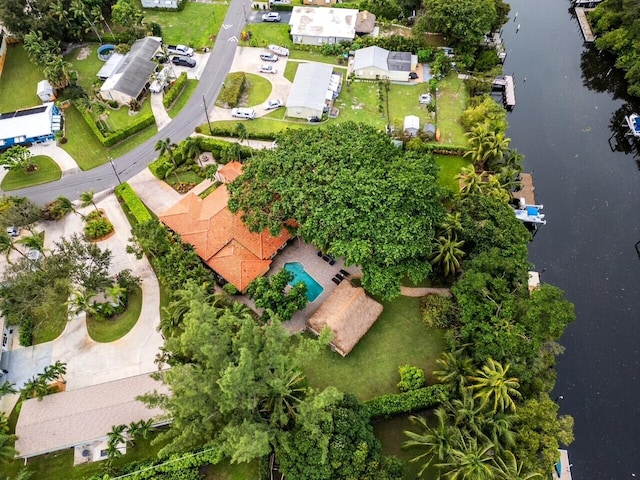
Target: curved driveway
[(131, 163)]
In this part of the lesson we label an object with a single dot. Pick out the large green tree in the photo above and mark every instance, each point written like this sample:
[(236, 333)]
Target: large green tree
[(270, 293), (351, 193)]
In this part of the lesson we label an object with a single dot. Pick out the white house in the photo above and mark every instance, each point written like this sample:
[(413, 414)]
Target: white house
[(411, 125), (320, 25), (375, 63), (131, 77), (311, 92), (30, 125)]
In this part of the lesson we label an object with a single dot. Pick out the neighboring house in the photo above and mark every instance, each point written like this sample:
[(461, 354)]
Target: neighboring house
[(319, 25), (45, 91), (161, 3), (411, 125), (349, 313), (81, 419), (319, 3), (375, 63), (30, 125), (365, 23), (311, 87), (131, 77), (220, 238)]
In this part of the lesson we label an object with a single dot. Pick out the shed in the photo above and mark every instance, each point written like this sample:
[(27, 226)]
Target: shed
[(45, 91), (320, 25), (429, 131), (411, 125), (308, 96), (349, 313)]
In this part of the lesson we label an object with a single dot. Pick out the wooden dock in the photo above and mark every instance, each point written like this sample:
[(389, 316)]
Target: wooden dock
[(526, 190), (585, 3), (587, 33), (508, 88), (565, 467)]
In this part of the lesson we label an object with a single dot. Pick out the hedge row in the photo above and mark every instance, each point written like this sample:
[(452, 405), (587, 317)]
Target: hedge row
[(407, 402), (232, 89), (215, 146), (133, 203), (115, 137), (230, 131), (175, 90)]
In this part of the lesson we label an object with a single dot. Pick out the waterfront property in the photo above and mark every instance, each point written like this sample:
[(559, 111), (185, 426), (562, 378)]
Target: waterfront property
[(30, 125), (583, 21), (508, 88)]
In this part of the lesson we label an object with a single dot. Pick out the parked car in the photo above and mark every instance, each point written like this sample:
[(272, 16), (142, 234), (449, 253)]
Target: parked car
[(13, 231), (183, 61), (425, 98), (248, 113), (268, 69), (271, 17), (268, 57), (180, 50), (273, 104), (313, 119), (413, 75)]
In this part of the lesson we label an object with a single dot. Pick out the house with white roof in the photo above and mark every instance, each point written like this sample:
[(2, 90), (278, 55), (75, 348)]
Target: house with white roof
[(320, 25), (30, 125), (311, 93), (129, 76), (375, 63)]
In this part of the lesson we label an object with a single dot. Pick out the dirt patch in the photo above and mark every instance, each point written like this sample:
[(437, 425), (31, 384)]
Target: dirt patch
[(83, 53)]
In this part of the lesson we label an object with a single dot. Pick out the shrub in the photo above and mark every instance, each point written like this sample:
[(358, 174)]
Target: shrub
[(411, 378), (26, 332), (232, 90), (175, 90), (53, 211), (438, 311), (97, 228), (229, 289), (407, 402), (128, 281), (133, 203)]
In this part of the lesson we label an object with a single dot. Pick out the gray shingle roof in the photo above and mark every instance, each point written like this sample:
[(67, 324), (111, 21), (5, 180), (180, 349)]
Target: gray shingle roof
[(63, 420), (136, 68), (399, 61), (310, 86)]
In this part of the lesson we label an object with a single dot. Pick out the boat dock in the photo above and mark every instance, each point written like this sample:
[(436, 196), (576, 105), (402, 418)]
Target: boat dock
[(508, 88), (585, 3), (587, 33), (563, 467), (526, 189)]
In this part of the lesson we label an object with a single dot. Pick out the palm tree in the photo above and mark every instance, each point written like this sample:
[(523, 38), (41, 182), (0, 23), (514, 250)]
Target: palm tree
[(435, 442), (116, 437), (455, 367), (166, 147), (63, 206), (510, 469), (476, 138), (87, 198), (497, 429), (465, 414), (78, 8), (7, 245), (7, 388), (287, 387), (33, 242), (470, 181), (117, 293), (447, 253), (7, 450), (451, 225), (470, 461), (191, 148), (81, 302), (494, 188), (510, 158), (35, 387), (96, 13), (55, 372), (56, 71), (491, 385), (241, 132), (139, 429), (495, 144)]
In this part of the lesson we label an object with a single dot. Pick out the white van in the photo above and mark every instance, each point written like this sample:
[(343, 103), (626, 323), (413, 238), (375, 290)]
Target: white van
[(249, 113)]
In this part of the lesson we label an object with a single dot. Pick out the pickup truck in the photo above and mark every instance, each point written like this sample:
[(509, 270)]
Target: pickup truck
[(180, 50)]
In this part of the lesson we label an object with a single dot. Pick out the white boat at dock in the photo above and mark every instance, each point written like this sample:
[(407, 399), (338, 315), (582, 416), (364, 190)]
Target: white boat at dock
[(633, 121), (530, 213)]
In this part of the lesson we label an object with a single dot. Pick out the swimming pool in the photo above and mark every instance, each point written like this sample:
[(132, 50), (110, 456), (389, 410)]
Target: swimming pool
[(314, 289)]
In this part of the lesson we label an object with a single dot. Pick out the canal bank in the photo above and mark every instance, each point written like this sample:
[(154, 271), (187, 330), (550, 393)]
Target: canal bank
[(592, 199)]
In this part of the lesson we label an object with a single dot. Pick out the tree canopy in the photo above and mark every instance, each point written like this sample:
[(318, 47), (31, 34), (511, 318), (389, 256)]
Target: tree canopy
[(351, 193), (269, 293)]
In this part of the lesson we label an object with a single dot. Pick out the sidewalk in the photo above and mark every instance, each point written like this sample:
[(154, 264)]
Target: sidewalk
[(159, 112)]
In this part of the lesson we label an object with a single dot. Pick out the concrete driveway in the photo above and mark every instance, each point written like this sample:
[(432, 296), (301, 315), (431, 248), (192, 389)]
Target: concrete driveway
[(194, 73), (256, 16)]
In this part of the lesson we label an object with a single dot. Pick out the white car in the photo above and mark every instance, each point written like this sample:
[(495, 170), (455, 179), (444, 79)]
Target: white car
[(268, 69), (273, 104), (268, 57), (271, 17), (425, 98)]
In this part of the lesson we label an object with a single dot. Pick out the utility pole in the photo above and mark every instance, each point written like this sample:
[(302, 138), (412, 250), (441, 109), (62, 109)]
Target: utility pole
[(113, 165), (206, 113)]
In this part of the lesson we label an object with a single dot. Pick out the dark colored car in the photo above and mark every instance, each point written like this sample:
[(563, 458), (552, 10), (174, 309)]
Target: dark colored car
[(314, 119), (413, 75), (183, 61)]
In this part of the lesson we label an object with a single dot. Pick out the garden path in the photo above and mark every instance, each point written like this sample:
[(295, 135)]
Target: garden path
[(159, 112)]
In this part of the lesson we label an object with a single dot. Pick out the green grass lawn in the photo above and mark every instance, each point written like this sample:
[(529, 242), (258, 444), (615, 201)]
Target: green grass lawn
[(86, 63), (264, 34), (121, 118), (256, 91), (452, 99), (18, 81), (109, 330), (184, 177), (183, 98), (315, 57), (195, 26), (398, 337), (450, 166), (48, 171), (290, 70)]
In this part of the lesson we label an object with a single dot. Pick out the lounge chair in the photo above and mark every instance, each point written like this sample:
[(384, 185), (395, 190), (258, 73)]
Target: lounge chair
[(344, 273), (325, 258), (335, 280), (339, 277)]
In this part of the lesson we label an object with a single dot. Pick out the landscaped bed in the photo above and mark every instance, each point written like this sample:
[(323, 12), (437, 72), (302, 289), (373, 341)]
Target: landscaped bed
[(47, 171), (111, 329)]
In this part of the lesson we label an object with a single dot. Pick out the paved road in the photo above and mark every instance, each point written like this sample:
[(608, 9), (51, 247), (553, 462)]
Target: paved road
[(182, 126)]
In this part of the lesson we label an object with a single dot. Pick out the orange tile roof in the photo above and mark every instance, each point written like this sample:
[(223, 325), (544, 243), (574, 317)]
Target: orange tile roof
[(221, 239), (230, 171)]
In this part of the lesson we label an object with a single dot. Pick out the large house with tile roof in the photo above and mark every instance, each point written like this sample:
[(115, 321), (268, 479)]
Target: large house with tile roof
[(220, 238)]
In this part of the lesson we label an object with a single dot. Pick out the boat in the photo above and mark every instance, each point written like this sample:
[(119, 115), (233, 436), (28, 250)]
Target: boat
[(633, 121), (530, 213), (278, 50)]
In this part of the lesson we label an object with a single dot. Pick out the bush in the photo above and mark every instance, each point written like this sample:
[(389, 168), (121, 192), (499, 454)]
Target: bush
[(230, 289), (97, 228), (175, 90), (128, 281), (26, 332), (53, 211), (438, 311), (133, 203), (232, 90), (411, 378), (414, 400)]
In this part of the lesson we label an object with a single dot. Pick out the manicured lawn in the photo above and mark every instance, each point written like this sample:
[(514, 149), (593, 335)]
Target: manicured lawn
[(48, 171), (290, 70), (85, 61), (52, 323), (195, 26), (184, 177), (112, 329), (183, 98), (227, 471), (262, 126), (315, 57), (18, 81), (256, 91), (398, 337), (451, 101), (450, 166), (121, 118), (264, 34)]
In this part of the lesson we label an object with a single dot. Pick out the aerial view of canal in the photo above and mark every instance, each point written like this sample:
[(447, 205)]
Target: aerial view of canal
[(568, 121)]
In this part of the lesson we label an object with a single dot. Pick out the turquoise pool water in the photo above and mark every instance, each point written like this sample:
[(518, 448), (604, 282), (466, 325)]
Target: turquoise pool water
[(300, 275)]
